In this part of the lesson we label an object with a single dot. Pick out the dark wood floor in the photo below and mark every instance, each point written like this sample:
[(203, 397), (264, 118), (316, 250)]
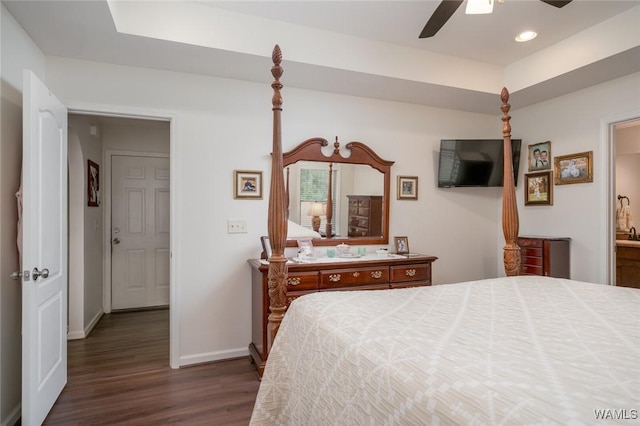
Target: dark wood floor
[(120, 374)]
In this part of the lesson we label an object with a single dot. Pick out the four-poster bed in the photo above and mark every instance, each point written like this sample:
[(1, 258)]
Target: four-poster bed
[(511, 350)]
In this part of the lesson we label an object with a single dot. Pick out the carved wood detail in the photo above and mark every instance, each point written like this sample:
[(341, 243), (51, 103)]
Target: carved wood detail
[(510, 223), (277, 216)]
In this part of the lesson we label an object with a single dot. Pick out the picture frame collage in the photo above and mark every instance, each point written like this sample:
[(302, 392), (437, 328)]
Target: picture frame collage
[(545, 173)]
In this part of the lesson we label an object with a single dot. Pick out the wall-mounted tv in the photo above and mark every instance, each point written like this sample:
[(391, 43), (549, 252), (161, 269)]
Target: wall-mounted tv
[(474, 162)]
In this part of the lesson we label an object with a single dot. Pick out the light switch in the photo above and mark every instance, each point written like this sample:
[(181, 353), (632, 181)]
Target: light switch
[(236, 226)]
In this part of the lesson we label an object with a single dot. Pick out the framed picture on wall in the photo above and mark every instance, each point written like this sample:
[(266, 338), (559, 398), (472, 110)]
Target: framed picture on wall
[(407, 188), (538, 189), (540, 156), (574, 168), (247, 185), (93, 184)]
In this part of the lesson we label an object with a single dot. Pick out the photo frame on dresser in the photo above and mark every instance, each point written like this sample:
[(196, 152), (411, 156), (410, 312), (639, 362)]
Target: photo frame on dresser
[(401, 245), (266, 247)]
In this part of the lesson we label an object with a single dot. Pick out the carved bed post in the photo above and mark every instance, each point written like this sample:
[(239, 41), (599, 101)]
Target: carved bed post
[(510, 224), (329, 209), (276, 221)]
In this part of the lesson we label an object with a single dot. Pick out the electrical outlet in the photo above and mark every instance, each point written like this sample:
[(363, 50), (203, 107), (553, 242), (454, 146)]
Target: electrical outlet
[(236, 226)]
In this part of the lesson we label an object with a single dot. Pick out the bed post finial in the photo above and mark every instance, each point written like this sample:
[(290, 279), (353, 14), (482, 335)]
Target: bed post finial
[(510, 224), (277, 220)]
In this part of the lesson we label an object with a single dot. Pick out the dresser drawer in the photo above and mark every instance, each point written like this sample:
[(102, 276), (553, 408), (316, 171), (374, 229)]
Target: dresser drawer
[(354, 277), (293, 295), (408, 284), (526, 242), (419, 272), (531, 270), (299, 281), (530, 252), (358, 232), (363, 202), (531, 261), (363, 211)]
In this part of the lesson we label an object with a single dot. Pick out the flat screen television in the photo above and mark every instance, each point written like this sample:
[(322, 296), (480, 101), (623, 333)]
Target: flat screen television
[(474, 162)]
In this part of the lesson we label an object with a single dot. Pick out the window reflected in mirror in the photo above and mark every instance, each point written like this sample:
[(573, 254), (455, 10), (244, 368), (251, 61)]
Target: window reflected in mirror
[(356, 193)]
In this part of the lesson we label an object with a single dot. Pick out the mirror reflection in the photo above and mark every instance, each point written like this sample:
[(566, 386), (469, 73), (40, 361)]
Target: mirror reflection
[(356, 200)]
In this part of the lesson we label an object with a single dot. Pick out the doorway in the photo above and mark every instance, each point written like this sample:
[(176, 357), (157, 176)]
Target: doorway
[(99, 137), (626, 175), (608, 129)]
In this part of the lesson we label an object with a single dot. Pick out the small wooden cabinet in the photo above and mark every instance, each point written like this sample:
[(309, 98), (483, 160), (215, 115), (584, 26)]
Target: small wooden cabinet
[(369, 273), (365, 215), (628, 265), (547, 256)]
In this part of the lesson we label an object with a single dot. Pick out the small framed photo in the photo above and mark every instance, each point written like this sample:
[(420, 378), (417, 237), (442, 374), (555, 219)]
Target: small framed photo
[(247, 185), (266, 247), (573, 168), (402, 245), (407, 187), (538, 189), (93, 184), (540, 156)]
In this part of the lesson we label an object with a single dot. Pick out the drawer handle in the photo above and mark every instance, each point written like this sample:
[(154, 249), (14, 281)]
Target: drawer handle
[(376, 274), (293, 281), (334, 278), (356, 274), (410, 272)]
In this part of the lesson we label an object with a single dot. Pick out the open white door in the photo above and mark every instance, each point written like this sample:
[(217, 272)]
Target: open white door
[(44, 241)]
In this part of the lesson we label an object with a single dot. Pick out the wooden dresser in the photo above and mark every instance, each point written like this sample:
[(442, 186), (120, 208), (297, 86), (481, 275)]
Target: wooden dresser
[(547, 256), (365, 215), (369, 273)]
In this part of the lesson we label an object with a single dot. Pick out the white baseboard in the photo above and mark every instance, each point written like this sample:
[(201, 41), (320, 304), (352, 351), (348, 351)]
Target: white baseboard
[(213, 356), (75, 335), (13, 417)]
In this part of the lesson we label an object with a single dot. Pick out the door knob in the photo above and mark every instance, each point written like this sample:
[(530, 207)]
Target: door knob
[(36, 274), (116, 240)]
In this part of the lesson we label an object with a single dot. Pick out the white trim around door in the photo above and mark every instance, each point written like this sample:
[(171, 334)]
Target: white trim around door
[(174, 292)]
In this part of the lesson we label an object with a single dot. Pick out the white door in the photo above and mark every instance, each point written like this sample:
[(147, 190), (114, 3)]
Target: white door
[(44, 245), (139, 231)]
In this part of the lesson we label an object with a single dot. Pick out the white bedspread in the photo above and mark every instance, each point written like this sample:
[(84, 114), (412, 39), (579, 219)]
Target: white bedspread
[(521, 350)]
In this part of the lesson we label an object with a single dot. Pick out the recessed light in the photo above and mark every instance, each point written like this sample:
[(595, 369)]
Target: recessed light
[(526, 36)]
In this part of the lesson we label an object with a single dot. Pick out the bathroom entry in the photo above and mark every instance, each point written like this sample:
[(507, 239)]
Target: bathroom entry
[(627, 193)]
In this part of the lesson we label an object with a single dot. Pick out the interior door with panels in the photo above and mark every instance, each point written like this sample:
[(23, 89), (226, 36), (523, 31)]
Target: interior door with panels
[(140, 231)]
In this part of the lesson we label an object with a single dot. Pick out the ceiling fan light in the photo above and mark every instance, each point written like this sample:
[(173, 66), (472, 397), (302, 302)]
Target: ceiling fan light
[(478, 7), (526, 36)]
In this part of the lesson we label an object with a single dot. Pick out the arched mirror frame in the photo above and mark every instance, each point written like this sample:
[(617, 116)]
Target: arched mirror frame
[(311, 150)]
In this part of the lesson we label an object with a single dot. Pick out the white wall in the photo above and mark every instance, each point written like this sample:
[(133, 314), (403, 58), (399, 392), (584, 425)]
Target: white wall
[(91, 222), (17, 52), (222, 125), (574, 123), (124, 134)]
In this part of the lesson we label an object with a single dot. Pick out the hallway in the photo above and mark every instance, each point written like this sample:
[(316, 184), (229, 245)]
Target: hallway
[(120, 374)]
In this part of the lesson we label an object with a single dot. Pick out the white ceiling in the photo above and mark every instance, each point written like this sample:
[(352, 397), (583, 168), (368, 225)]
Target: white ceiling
[(363, 48)]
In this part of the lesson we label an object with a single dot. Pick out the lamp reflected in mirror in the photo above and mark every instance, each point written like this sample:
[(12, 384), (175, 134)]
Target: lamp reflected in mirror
[(315, 211)]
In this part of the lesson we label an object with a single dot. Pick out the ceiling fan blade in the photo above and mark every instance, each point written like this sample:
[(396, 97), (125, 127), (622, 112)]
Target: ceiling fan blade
[(557, 3), (443, 12)]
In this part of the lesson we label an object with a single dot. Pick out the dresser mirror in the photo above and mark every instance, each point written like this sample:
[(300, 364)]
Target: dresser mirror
[(358, 203)]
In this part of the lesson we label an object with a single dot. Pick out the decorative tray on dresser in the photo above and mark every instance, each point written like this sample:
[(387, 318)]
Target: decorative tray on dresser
[(366, 273)]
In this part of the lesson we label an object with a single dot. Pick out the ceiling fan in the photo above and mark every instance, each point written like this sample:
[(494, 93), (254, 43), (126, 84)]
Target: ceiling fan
[(446, 8)]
